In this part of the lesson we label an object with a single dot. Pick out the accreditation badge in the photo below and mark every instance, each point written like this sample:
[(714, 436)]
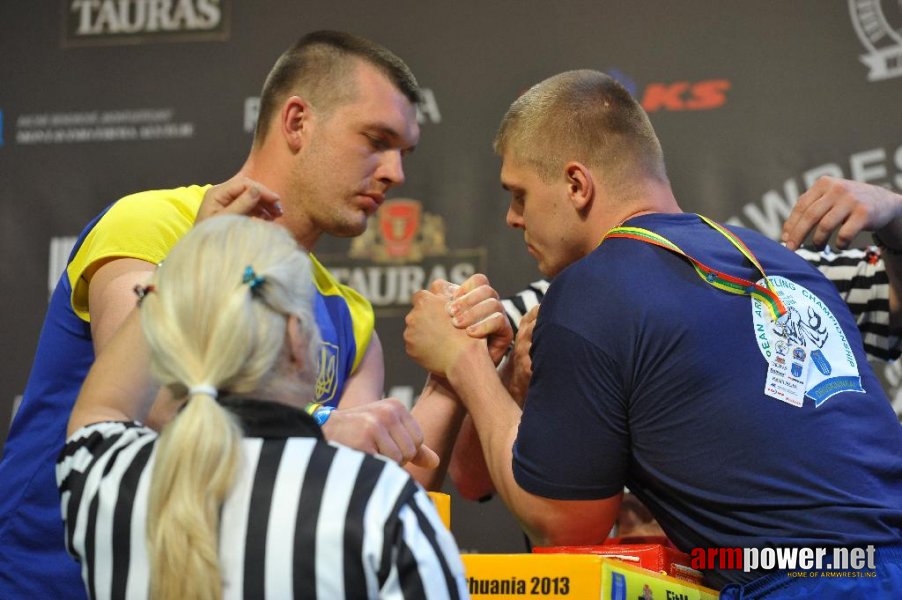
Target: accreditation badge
[(807, 351), (787, 372)]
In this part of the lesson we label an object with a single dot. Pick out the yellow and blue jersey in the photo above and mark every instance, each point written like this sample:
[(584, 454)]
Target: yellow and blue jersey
[(143, 226)]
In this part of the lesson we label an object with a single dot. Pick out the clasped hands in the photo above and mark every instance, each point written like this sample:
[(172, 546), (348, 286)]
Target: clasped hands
[(446, 317), (449, 320)]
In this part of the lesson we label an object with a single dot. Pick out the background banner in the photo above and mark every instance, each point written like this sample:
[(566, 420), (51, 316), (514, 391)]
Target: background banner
[(752, 102)]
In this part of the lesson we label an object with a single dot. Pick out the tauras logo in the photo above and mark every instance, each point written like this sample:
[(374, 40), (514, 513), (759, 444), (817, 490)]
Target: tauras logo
[(878, 25), (402, 251), (109, 21)]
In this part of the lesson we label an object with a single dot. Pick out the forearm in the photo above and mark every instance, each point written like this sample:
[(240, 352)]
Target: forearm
[(893, 264), (161, 411), (496, 417), (890, 235), (439, 415), (468, 469), (119, 385), (367, 382)]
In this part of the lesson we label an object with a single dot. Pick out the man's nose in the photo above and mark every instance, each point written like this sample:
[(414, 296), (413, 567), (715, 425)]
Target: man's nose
[(391, 169), (514, 218)]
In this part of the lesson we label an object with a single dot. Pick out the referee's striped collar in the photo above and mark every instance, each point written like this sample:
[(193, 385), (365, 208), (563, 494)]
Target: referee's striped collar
[(271, 420)]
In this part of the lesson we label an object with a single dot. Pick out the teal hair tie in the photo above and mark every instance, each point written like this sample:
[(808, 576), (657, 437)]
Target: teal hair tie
[(253, 280)]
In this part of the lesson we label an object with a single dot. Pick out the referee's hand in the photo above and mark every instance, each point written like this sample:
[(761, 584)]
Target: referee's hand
[(385, 427), (844, 207), (240, 195)]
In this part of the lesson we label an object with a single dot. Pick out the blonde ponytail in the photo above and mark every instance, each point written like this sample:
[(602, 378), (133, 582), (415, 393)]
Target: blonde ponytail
[(196, 461), (216, 320)]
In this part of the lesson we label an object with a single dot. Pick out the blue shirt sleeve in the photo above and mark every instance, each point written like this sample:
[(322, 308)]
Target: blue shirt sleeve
[(573, 441)]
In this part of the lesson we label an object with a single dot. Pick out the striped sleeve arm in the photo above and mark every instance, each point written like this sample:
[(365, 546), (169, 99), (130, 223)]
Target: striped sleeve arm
[(92, 468), (420, 558), (523, 301), (860, 278)]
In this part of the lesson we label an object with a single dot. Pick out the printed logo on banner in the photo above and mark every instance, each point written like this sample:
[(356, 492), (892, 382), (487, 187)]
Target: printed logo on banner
[(676, 95), (427, 110), (878, 24), (880, 166), (141, 124), (17, 401), (402, 251), (58, 260), (95, 22)]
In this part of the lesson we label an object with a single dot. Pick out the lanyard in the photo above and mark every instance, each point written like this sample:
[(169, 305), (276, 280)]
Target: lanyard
[(722, 281)]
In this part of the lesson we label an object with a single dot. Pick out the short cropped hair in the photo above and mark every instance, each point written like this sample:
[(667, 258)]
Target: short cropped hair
[(319, 67), (585, 116)]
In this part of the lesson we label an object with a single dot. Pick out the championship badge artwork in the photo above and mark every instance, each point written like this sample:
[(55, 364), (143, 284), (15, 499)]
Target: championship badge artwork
[(787, 317), (806, 349)]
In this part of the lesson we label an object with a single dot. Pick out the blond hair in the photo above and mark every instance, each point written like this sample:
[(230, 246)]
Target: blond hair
[(207, 324), (583, 116)]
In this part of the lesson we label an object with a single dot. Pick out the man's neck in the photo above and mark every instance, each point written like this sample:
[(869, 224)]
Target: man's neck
[(293, 218), (654, 197)]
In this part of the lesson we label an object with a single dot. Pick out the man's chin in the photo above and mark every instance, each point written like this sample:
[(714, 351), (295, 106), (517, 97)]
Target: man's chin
[(345, 234), (548, 270), (348, 230)]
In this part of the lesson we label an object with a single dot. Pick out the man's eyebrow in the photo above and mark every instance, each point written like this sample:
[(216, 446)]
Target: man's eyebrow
[(389, 133), (383, 130)]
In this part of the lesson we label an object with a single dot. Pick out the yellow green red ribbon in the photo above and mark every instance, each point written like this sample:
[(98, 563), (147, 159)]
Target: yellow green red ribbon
[(766, 294)]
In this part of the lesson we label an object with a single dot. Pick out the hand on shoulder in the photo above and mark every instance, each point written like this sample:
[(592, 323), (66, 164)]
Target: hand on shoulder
[(240, 195)]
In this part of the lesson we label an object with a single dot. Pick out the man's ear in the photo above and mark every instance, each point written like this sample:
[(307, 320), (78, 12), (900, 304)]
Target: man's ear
[(297, 343), (294, 121), (580, 185)]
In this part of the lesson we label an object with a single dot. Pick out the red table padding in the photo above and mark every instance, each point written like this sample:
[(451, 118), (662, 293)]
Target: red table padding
[(652, 553)]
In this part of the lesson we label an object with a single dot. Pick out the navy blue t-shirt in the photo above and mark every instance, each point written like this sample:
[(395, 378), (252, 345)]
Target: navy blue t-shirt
[(645, 375)]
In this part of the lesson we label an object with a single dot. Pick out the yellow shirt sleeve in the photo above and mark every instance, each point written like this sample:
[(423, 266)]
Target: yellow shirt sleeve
[(144, 226)]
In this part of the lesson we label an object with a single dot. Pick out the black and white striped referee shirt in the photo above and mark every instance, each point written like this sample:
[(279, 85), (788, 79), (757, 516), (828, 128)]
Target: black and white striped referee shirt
[(859, 276), (861, 280), (305, 518)]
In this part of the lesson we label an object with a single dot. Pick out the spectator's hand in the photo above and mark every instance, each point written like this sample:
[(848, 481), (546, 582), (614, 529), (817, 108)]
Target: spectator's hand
[(240, 195), (476, 307), (385, 427), (519, 363), (846, 208), (431, 339)]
